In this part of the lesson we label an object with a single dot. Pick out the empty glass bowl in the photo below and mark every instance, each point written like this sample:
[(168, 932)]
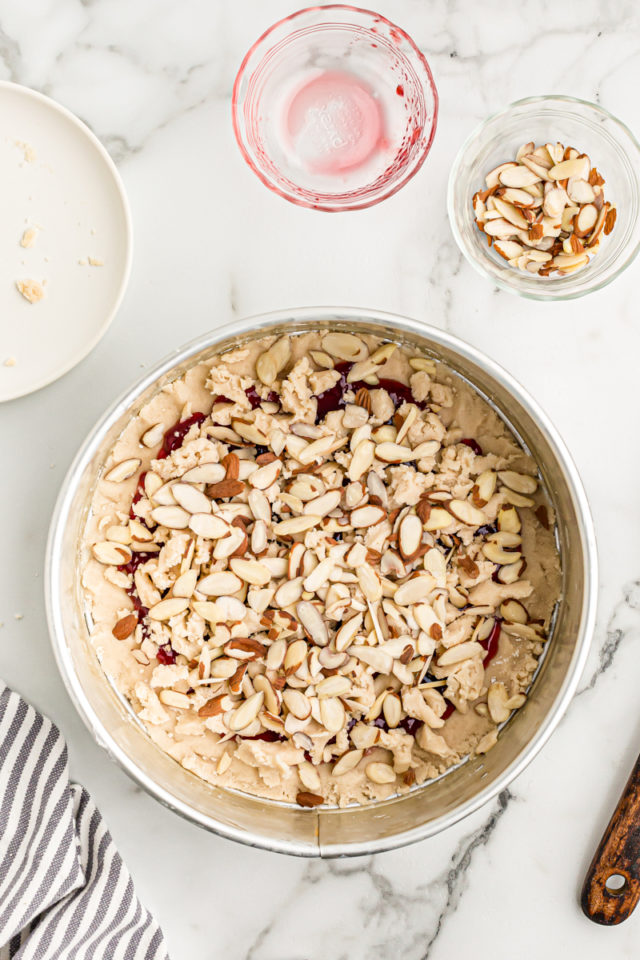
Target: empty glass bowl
[(334, 108), (611, 147)]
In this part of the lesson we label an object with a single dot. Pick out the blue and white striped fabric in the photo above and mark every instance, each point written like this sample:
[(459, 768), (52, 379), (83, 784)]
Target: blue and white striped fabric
[(65, 893)]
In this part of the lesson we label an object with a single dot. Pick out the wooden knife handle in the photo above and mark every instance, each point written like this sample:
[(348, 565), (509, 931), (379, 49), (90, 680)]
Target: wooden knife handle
[(606, 900)]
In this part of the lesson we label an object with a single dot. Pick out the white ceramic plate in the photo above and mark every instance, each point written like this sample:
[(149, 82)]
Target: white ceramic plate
[(56, 177)]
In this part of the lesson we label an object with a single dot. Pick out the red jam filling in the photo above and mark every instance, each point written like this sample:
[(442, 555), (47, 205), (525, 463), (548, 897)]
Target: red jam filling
[(334, 398), (475, 446)]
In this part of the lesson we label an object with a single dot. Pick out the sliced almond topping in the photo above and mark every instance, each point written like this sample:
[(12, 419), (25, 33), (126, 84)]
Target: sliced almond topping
[(520, 482), (296, 524), (246, 712), (347, 762), (312, 623), (380, 773), (111, 553), (166, 609), (410, 535), (122, 471), (333, 714), (367, 516), (251, 571), (344, 346), (219, 584)]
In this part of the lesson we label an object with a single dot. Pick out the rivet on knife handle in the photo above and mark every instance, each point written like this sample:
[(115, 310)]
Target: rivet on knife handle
[(612, 885)]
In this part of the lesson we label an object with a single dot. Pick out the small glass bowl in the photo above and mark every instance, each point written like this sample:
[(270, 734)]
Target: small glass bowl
[(611, 147), (346, 41)]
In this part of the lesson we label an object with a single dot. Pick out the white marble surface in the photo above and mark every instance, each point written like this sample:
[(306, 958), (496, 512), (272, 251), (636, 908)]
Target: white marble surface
[(153, 79)]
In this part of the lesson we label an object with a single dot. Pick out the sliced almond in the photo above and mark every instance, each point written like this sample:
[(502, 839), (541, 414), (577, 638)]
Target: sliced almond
[(344, 346), (567, 169), (173, 517), (367, 516), (166, 609), (111, 553), (122, 471), (293, 525), (251, 571), (414, 590), (464, 511), (296, 703), (219, 584), (246, 712), (394, 453), (520, 482), (516, 175), (347, 762), (333, 714), (380, 773), (312, 623), (207, 526), (409, 535)]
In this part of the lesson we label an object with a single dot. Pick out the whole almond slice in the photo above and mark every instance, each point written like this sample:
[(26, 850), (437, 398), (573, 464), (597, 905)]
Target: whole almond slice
[(369, 582), (276, 654), (460, 652), (439, 519), (347, 632), (293, 525), (380, 773), (251, 571), (534, 164), (517, 175), (554, 202), (272, 699), (492, 179), (520, 482), (362, 459), (122, 471), (390, 452), (510, 213), (206, 609), (296, 703), (244, 648), (166, 609), (409, 535), (567, 169), (333, 714), (347, 762), (464, 511), (227, 546), (263, 477), (208, 526), (312, 623), (259, 505), (190, 498), (392, 710), (288, 593), (484, 488), (414, 590), (219, 584), (508, 249), (344, 346), (379, 660), (497, 554), (153, 436), (205, 473), (111, 553), (335, 686), (500, 228), (246, 712), (580, 190), (319, 576), (185, 584), (295, 656), (366, 516), (321, 506), (519, 198)]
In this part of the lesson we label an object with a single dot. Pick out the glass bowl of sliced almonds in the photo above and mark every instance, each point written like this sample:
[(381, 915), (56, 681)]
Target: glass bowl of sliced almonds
[(544, 198)]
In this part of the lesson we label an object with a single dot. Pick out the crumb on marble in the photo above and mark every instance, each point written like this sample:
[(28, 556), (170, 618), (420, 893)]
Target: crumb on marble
[(96, 262), (10, 362)]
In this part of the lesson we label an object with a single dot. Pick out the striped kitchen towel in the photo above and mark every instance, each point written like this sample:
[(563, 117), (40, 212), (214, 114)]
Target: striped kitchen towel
[(65, 893)]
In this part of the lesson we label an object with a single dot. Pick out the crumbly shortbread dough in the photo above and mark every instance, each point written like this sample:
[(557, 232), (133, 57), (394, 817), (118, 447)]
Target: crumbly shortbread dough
[(325, 611)]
